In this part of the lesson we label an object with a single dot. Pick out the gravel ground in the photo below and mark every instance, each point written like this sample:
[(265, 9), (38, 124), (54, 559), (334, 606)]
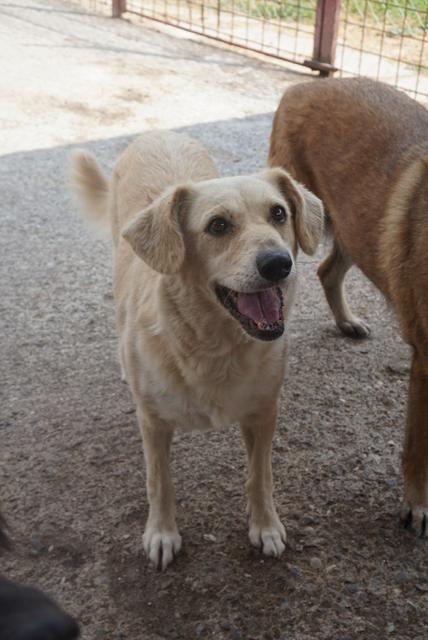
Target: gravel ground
[(71, 466)]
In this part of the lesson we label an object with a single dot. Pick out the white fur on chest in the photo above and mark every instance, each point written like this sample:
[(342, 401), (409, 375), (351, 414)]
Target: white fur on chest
[(212, 394), (186, 414)]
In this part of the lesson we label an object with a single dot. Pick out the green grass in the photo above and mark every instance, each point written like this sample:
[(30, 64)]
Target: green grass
[(377, 11)]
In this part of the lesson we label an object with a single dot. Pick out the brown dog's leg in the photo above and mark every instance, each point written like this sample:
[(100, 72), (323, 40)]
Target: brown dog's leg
[(332, 273), (161, 538), (414, 512), (266, 529)]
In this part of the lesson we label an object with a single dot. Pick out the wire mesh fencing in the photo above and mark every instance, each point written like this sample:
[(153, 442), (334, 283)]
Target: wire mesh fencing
[(274, 28), (387, 40), (382, 39)]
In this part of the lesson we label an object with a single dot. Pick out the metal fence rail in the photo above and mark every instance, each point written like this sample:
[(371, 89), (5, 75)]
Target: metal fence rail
[(382, 39)]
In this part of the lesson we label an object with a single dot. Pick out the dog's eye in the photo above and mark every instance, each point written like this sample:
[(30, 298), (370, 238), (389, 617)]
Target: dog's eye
[(278, 214), (218, 226)]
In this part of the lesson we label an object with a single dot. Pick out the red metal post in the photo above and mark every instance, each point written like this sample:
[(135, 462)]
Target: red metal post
[(117, 8), (326, 30)]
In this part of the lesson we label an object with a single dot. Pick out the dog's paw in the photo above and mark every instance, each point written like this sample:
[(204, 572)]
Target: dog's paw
[(269, 539), (161, 546), (415, 517), (354, 328)]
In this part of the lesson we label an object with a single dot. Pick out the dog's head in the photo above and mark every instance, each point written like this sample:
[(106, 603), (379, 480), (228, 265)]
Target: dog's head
[(238, 237)]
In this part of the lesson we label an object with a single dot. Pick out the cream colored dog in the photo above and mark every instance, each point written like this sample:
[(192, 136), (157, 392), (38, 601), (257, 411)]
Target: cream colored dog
[(204, 275)]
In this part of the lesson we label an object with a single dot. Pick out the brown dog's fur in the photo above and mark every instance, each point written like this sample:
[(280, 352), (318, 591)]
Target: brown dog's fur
[(189, 363), (362, 147)]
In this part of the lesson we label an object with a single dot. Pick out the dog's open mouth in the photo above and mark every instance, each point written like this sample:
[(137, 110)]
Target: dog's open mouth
[(259, 313)]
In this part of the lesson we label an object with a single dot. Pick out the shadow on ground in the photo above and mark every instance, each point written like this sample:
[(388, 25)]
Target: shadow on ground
[(72, 470)]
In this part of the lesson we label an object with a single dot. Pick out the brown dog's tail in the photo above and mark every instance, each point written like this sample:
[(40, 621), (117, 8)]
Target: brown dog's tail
[(91, 186)]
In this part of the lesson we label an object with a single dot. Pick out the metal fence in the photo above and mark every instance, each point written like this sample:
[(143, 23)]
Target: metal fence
[(383, 39)]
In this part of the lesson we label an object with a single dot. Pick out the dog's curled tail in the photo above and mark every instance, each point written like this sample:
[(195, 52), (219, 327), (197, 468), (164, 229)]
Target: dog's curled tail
[(91, 186)]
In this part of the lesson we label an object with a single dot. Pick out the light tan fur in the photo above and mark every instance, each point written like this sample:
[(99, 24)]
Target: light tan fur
[(188, 361), (362, 147)]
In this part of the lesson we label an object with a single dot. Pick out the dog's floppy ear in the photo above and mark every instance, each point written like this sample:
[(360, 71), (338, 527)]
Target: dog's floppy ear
[(307, 209), (155, 234)]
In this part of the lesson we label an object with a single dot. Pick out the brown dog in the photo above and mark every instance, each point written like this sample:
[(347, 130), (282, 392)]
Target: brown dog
[(362, 147)]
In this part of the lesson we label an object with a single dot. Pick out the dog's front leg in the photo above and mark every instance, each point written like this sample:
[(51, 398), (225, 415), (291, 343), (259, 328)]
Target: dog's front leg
[(266, 529), (414, 512), (161, 538)]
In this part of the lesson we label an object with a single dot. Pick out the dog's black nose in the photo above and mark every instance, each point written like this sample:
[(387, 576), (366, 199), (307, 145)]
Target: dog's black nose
[(274, 265)]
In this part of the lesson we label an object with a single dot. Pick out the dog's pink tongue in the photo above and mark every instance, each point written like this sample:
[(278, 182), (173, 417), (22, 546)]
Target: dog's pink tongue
[(263, 306)]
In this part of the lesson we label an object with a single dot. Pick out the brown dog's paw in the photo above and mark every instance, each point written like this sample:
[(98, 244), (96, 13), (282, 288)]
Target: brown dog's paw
[(415, 517), (355, 328)]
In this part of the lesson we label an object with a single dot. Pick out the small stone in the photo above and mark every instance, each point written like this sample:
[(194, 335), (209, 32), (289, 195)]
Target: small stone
[(210, 537), (37, 545), (166, 584), (402, 577), (376, 586), (284, 605), (316, 564), (350, 587), (390, 627), (309, 531), (412, 604), (294, 570), (422, 587), (200, 629), (398, 367), (101, 581)]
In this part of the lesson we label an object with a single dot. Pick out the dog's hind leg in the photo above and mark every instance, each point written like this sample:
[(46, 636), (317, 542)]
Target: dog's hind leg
[(161, 538), (332, 272), (414, 512)]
